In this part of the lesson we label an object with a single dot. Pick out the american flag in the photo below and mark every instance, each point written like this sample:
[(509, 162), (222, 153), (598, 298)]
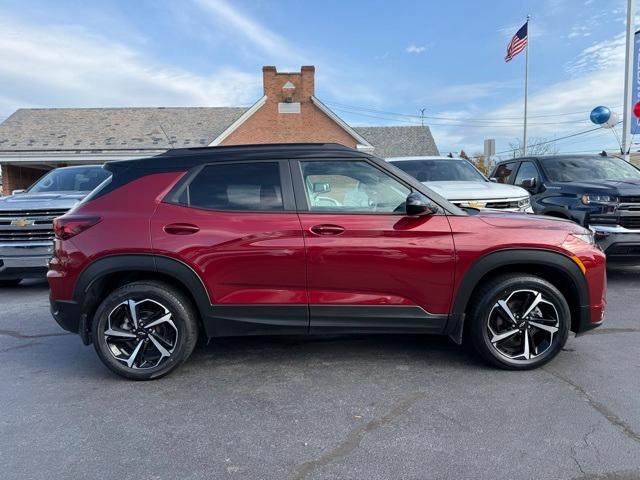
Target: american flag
[(517, 43)]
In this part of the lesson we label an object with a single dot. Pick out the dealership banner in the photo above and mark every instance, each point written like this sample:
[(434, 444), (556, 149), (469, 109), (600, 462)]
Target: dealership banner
[(635, 121)]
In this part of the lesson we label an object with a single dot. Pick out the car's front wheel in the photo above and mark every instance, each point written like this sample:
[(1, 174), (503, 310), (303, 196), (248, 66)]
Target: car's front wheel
[(518, 321), (144, 330)]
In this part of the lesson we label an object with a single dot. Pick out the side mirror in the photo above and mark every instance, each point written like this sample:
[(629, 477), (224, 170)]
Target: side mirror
[(18, 192), (493, 179), (321, 188), (418, 204), (528, 183)]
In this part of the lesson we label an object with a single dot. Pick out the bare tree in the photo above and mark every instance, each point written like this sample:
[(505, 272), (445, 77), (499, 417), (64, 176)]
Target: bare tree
[(535, 146)]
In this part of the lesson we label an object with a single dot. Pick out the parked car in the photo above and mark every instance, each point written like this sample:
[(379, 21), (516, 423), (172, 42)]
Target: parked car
[(460, 182), (26, 219), (597, 192), (309, 239)]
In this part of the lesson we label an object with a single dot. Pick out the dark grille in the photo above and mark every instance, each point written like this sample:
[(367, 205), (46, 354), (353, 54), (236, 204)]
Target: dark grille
[(634, 199), (513, 204), (38, 229), (53, 213), (630, 222), (26, 235)]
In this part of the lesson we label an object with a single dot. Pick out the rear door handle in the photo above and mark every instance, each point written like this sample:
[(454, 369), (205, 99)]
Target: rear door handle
[(327, 229), (181, 229)]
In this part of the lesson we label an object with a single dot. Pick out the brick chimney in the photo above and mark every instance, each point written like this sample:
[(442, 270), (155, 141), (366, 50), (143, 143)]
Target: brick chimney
[(289, 114), (289, 90)]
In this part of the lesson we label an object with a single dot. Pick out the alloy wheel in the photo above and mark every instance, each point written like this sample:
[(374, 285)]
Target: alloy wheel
[(141, 334), (523, 325)]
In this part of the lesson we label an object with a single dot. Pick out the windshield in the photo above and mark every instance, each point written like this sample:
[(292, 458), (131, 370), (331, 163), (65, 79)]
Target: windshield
[(575, 169), (80, 179), (441, 170)]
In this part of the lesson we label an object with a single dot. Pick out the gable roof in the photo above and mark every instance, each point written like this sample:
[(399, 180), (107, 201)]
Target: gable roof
[(400, 141), (42, 130), (46, 129)]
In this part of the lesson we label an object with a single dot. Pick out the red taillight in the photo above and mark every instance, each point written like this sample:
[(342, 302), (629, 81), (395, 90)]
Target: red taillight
[(69, 226)]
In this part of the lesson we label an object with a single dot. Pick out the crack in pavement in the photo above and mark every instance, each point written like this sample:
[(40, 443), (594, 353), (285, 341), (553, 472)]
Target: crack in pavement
[(574, 447), (18, 347), (355, 436), (602, 409), (22, 336), (608, 331)]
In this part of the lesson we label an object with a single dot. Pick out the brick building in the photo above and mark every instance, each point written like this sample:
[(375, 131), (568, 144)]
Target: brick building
[(33, 141)]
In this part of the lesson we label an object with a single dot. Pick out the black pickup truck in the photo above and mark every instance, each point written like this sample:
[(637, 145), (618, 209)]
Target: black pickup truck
[(601, 193)]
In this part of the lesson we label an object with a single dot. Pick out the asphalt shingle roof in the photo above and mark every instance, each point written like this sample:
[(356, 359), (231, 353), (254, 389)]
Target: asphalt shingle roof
[(86, 129), (42, 129), (401, 141)]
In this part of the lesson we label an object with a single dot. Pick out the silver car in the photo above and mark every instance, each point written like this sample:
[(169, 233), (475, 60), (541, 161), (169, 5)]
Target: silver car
[(460, 182)]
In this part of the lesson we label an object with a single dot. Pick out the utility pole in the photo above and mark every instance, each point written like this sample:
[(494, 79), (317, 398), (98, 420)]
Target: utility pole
[(422, 110), (628, 80)]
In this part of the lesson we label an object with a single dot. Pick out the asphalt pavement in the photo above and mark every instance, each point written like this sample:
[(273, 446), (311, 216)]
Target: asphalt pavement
[(361, 407)]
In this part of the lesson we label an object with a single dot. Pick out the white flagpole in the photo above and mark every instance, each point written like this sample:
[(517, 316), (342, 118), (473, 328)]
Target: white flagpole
[(628, 80), (526, 88)]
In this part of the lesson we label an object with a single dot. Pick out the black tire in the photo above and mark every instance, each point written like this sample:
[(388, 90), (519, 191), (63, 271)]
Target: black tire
[(485, 315), (146, 297), (10, 283)]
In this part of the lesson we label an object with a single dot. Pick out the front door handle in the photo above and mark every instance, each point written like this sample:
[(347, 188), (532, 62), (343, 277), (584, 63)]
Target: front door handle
[(327, 229), (181, 229)]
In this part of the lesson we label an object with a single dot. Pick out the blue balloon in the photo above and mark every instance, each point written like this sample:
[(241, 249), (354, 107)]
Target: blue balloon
[(600, 115)]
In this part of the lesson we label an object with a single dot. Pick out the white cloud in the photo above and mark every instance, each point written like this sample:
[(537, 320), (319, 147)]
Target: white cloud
[(66, 66), (416, 49), (597, 79)]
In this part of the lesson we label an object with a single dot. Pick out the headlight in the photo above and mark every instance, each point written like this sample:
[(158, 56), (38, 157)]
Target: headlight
[(599, 199), (524, 203), (585, 237)]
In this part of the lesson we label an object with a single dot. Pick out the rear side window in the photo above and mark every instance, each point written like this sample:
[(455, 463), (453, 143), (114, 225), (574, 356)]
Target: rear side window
[(241, 186), (505, 172)]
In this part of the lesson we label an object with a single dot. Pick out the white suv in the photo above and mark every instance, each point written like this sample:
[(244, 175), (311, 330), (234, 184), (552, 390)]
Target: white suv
[(461, 183)]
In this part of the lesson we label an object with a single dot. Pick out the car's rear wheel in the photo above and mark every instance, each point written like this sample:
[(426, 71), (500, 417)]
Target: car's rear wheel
[(518, 321), (144, 330), (10, 283)]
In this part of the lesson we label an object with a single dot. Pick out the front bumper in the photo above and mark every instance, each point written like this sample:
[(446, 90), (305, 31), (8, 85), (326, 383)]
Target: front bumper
[(24, 259), (620, 244)]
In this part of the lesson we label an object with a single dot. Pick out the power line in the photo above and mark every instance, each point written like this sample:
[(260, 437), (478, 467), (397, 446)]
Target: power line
[(459, 119), (554, 140), (461, 123)]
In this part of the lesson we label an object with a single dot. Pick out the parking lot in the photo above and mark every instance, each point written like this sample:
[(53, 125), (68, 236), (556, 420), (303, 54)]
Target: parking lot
[(363, 407)]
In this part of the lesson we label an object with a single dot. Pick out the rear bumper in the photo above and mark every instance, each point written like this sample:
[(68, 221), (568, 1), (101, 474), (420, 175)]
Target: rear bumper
[(620, 244), (24, 260)]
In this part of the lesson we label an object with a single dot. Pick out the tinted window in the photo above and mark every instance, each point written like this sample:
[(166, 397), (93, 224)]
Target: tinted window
[(241, 186), (527, 170), (504, 173), (351, 186), (574, 169), (440, 170), (80, 179)]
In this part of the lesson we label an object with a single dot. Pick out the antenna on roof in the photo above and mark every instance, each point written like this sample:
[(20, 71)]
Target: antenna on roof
[(166, 136)]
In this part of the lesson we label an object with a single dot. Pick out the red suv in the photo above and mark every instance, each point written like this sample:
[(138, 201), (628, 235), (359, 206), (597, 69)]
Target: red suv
[(309, 239)]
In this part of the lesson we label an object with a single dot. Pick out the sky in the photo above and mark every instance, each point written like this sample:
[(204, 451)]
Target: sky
[(377, 62)]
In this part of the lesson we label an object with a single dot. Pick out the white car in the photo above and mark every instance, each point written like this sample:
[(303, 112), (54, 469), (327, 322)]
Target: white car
[(461, 183)]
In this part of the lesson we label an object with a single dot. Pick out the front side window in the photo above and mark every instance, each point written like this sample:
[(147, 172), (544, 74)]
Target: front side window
[(504, 173), (526, 171), (351, 186), (240, 186), (441, 170), (576, 169)]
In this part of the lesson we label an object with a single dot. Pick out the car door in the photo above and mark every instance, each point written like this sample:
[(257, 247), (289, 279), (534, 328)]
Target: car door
[(236, 226), (370, 267), (528, 177)]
